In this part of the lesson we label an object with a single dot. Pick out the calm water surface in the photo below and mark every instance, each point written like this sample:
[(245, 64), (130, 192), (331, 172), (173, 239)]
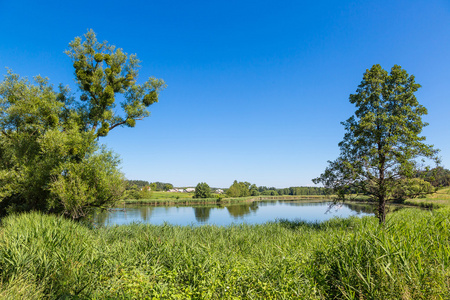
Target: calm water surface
[(250, 213)]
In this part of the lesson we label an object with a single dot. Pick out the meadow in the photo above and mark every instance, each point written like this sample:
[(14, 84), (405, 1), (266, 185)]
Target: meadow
[(49, 257)]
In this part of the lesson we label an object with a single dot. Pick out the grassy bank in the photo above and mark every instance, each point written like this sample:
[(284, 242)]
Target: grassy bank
[(172, 200), (49, 257), (439, 199), (170, 195)]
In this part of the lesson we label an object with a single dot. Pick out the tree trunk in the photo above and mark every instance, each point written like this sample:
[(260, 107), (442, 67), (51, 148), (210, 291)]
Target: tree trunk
[(381, 187), (381, 209)]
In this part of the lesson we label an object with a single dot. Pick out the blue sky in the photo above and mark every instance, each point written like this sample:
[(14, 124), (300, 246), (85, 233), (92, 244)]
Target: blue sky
[(256, 90)]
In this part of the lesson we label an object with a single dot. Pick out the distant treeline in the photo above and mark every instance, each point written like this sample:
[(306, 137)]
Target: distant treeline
[(294, 190), (245, 189), (155, 186), (438, 177), (137, 184)]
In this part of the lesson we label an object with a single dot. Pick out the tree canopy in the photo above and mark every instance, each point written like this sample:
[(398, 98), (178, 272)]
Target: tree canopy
[(382, 144), (102, 73), (239, 189), (50, 156), (202, 190)]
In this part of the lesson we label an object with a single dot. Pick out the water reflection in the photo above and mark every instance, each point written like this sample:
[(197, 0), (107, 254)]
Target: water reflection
[(146, 213), (202, 213), (361, 208), (100, 218), (252, 213), (298, 203), (240, 210)]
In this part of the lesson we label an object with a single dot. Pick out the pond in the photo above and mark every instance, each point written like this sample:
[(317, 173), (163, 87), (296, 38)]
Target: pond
[(250, 213)]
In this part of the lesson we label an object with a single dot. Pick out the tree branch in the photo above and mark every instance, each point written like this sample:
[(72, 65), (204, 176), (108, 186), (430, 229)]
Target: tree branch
[(7, 135), (123, 122)]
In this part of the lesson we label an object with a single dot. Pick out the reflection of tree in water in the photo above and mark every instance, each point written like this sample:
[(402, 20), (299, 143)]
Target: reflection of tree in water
[(305, 203), (240, 210), (370, 209), (202, 213), (100, 218), (361, 208), (146, 212)]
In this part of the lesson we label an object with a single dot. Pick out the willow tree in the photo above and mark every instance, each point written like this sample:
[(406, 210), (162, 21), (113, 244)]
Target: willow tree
[(50, 156), (382, 147)]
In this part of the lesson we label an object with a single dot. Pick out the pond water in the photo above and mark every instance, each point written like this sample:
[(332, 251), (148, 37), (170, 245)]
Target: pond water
[(250, 213)]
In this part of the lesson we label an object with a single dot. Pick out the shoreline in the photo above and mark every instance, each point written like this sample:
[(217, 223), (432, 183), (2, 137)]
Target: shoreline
[(201, 201)]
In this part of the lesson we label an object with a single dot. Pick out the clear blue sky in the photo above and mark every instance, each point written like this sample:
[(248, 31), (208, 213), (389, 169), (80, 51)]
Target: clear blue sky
[(256, 89)]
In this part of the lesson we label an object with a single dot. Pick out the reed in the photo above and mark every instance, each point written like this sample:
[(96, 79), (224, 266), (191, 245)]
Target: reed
[(353, 258)]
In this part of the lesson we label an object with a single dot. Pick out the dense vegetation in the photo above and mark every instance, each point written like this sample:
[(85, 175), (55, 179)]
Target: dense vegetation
[(50, 156), (438, 177), (154, 186), (136, 184), (44, 256), (245, 189), (293, 191), (160, 186)]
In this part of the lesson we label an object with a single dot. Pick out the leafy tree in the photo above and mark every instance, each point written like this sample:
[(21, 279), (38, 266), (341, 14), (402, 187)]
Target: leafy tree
[(438, 177), (50, 157), (382, 142), (253, 190), (239, 189), (411, 188), (167, 187), (104, 72), (202, 190)]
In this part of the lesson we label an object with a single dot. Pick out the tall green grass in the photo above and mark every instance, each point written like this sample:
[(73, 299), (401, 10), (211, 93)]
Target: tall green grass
[(353, 258)]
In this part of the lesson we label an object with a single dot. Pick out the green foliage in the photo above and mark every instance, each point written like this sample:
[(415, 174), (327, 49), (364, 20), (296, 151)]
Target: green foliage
[(239, 189), (50, 158), (293, 190), (161, 186), (410, 188), (270, 193), (77, 188), (134, 184), (167, 186), (351, 258), (253, 190), (438, 177), (153, 186), (136, 193), (382, 142), (202, 190), (104, 72)]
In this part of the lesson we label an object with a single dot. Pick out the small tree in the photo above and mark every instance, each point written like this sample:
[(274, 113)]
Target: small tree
[(382, 141), (202, 190)]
